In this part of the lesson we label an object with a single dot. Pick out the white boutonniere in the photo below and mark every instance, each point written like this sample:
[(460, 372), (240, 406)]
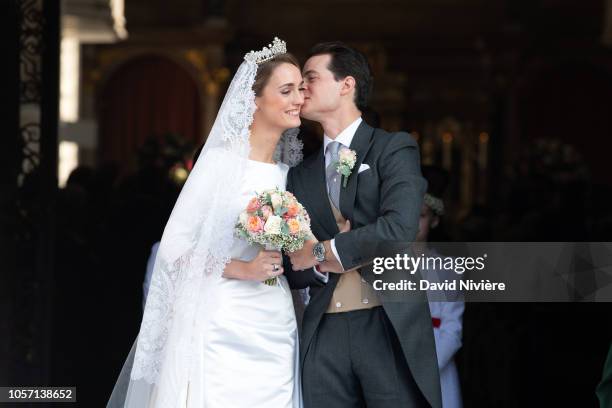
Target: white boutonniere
[(346, 161)]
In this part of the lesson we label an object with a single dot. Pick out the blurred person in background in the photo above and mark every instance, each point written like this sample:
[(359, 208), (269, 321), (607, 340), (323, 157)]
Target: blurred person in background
[(446, 307)]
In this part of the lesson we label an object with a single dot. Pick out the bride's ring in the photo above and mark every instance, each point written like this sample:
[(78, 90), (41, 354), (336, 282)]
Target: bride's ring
[(274, 267)]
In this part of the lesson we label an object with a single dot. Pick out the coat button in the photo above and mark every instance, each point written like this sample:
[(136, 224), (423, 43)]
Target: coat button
[(365, 301), (338, 304)]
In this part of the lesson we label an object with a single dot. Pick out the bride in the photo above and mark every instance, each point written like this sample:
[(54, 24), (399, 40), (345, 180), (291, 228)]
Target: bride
[(213, 334)]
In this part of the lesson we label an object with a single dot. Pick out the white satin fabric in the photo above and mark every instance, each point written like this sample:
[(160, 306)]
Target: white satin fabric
[(251, 345)]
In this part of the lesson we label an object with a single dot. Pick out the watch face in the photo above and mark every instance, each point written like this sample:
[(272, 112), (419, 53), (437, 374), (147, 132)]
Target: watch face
[(319, 252)]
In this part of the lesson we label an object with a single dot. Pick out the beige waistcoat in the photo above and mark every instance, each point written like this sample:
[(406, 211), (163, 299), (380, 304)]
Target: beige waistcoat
[(351, 292)]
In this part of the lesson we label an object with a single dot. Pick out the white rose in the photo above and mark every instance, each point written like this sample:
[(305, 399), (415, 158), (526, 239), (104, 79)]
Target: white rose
[(273, 225), (243, 218), (304, 225), (277, 201), (347, 156)]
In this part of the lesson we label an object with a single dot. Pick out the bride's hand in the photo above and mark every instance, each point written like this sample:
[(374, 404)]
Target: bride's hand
[(266, 265)]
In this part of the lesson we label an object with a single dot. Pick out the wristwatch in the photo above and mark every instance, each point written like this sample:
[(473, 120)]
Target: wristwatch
[(318, 250)]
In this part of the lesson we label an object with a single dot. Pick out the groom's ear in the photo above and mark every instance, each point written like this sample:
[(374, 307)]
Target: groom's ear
[(348, 85)]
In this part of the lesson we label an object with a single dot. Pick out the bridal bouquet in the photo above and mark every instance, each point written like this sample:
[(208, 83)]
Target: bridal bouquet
[(275, 220)]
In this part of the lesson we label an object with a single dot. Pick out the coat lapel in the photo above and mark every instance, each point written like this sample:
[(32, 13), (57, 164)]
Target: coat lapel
[(361, 143)]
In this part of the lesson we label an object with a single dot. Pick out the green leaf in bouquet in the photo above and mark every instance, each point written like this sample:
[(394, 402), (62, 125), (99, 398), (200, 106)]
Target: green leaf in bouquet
[(284, 228)]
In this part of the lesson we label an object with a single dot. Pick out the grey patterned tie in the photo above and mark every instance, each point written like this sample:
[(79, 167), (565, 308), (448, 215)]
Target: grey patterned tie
[(334, 178)]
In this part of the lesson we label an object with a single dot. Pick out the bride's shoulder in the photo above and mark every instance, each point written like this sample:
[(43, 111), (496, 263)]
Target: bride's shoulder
[(219, 154)]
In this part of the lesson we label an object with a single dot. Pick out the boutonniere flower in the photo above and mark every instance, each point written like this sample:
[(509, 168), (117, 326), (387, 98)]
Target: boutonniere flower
[(346, 161)]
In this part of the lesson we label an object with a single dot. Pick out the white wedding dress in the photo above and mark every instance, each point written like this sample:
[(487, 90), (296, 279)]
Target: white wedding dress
[(251, 343), (206, 341)]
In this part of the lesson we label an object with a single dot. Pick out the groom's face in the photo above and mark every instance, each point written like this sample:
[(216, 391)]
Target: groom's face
[(321, 90)]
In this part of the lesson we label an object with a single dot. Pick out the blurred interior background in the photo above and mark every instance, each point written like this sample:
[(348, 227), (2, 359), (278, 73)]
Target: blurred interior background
[(105, 101)]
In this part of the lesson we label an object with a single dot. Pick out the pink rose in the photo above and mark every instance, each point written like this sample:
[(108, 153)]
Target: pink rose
[(294, 226), (292, 210), (267, 211), (253, 205), (255, 224)]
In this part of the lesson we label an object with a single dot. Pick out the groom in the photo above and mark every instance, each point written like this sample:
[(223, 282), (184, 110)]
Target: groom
[(360, 347)]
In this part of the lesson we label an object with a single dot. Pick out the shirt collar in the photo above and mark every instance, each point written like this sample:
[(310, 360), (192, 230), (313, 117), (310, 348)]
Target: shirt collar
[(345, 137)]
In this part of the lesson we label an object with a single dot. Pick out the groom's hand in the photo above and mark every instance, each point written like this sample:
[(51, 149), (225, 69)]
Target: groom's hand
[(303, 258), (331, 264)]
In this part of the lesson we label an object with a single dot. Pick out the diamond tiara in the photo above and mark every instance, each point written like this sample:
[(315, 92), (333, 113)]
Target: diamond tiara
[(267, 53)]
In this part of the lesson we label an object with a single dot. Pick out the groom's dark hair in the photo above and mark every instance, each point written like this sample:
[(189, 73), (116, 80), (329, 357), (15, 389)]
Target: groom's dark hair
[(346, 61)]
